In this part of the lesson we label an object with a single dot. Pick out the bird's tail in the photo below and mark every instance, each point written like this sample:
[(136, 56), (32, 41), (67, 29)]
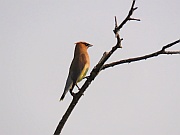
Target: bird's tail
[(68, 85), (64, 93), (62, 97)]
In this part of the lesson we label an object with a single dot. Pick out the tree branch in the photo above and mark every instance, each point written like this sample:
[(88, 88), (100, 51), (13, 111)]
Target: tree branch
[(129, 60), (100, 66)]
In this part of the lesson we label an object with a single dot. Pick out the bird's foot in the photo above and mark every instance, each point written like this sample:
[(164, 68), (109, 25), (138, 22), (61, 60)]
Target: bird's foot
[(75, 94), (78, 89)]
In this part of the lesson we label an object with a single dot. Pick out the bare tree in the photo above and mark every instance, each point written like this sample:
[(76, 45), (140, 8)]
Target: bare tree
[(102, 66)]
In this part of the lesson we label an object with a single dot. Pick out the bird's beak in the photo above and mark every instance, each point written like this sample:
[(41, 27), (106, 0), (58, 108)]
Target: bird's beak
[(89, 45)]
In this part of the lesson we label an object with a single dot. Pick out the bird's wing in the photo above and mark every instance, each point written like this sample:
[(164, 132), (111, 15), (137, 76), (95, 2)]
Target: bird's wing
[(77, 67), (69, 82)]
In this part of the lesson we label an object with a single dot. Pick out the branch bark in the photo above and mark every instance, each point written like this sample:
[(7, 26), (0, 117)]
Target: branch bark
[(100, 66)]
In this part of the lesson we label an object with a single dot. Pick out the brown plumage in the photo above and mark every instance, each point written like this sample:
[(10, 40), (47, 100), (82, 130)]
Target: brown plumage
[(79, 66)]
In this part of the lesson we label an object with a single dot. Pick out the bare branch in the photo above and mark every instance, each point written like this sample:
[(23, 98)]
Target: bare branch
[(162, 51)]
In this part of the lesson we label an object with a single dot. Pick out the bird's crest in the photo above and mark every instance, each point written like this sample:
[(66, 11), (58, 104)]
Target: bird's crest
[(85, 43)]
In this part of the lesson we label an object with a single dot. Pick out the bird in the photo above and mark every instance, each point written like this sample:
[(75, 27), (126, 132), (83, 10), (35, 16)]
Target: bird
[(78, 68)]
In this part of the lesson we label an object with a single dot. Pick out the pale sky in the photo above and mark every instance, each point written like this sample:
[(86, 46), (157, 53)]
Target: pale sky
[(36, 48)]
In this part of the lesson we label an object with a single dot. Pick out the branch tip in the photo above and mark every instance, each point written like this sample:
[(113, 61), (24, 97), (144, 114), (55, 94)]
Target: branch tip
[(115, 22), (135, 8)]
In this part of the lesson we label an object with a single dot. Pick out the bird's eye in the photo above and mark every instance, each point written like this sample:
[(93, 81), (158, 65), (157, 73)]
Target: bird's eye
[(87, 44)]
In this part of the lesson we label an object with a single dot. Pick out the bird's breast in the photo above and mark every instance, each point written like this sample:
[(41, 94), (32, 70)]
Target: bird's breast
[(83, 73)]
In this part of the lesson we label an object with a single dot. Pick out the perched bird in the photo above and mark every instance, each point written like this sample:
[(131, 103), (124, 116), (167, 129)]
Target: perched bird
[(79, 67)]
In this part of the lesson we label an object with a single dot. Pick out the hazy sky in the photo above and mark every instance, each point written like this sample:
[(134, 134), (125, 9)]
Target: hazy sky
[(36, 48)]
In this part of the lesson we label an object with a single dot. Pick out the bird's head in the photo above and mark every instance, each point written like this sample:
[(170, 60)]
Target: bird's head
[(84, 43)]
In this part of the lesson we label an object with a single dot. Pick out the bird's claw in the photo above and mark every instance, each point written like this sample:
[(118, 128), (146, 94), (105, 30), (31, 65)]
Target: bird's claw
[(74, 94), (78, 87)]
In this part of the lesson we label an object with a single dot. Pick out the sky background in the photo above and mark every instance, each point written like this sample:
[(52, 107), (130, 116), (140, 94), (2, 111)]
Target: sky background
[(36, 48)]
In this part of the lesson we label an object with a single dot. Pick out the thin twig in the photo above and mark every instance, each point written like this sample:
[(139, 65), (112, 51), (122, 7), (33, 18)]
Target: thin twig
[(128, 18), (171, 52)]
